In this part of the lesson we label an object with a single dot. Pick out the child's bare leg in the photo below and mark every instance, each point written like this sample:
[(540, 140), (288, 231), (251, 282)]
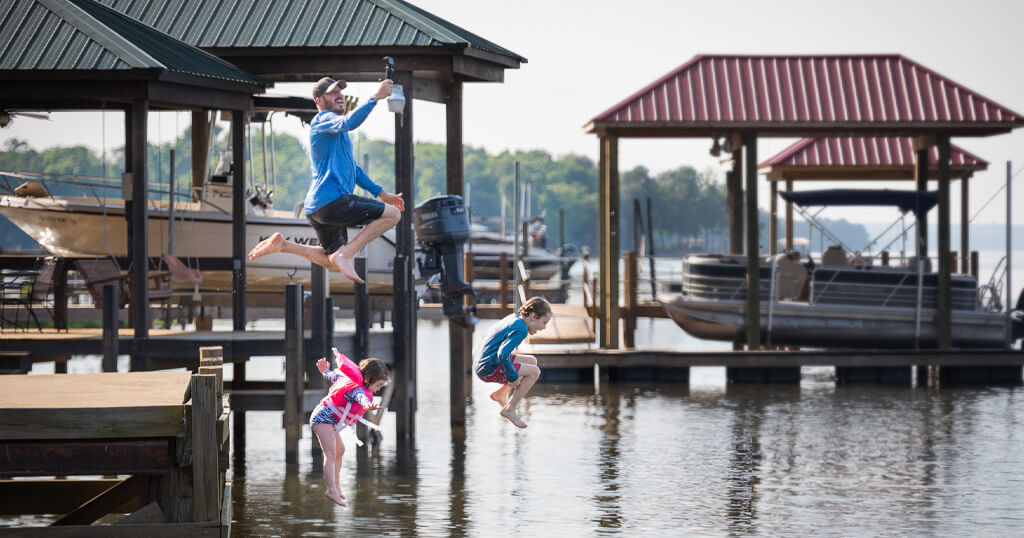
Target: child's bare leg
[(277, 243), (528, 375), (327, 436), (501, 395), (339, 453)]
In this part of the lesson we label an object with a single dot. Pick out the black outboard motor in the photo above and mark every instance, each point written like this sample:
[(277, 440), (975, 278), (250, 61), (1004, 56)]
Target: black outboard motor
[(442, 226)]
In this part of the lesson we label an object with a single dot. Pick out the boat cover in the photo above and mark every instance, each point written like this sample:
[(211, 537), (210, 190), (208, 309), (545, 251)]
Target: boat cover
[(918, 202)]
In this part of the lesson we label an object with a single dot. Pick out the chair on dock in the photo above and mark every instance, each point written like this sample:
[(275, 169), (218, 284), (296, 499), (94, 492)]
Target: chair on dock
[(28, 290), (181, 273), (99, 272)]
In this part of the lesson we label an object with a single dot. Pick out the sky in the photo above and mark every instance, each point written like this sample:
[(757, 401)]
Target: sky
[(586, 55)]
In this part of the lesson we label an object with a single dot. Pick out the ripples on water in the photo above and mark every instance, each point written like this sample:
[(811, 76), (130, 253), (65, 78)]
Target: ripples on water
[(660, 459)]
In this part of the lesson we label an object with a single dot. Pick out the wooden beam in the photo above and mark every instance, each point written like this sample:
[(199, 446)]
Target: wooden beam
[(48, 496), (457, 349), (72, 457), (106, 502), (431, 90)]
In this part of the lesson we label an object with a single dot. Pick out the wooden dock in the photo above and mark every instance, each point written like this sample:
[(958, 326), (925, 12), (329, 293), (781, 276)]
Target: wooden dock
[(167, 431)]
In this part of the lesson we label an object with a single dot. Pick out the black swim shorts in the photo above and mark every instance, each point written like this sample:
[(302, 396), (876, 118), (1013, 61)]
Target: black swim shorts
[(331, 221)]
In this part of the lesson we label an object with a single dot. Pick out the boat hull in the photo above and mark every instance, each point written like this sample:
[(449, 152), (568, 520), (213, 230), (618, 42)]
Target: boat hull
[(829, 326), (70, 229)]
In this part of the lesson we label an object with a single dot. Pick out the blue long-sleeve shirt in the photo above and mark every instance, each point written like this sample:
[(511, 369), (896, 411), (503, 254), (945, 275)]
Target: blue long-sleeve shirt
[(496, 350), (334, 167)]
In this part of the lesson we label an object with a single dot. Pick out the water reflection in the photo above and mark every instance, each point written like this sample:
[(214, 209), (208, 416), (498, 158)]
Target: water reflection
[(661, 459)]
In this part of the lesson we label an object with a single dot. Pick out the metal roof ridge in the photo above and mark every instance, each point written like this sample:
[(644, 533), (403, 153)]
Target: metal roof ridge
[(450, 29), (657, 82), (404, 9), (793, 149), (964, 87), (127, 51)]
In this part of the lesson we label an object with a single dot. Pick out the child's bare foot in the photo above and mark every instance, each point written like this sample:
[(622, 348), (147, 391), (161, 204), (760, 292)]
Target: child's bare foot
[(338, 498), (269, 245), (500, 396), (513, 417), (346, 267)]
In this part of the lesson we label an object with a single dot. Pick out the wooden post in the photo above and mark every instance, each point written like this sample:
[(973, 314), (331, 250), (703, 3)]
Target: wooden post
[(965, 220), (319, 290), (608, 215), (953, 265), (734, 186), (205, 449), (885, 258), (60, 295), (631, 300), (110, 326), (294, 357), (773, 219), (403, 317), (467, 335), (211, 362), (921, 184), (974, 264), (200, 148), (503, 282), (789, 220), (944, 312), (457, 350), (238, 253), (753, 259), (139, 224), (362, 313)]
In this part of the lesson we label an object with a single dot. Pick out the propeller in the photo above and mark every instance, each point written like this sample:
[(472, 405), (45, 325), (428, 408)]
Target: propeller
[(7, 116)]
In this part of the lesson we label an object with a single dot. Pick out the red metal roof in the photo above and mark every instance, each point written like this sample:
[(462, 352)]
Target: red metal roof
[(817, 93), (875, 157), (864, 151)]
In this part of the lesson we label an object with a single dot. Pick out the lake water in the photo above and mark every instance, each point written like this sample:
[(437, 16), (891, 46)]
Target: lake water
[(654, 459), (660, 460)]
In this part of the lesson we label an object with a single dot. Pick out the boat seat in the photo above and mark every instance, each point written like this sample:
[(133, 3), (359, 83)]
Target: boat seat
[(834, 255)]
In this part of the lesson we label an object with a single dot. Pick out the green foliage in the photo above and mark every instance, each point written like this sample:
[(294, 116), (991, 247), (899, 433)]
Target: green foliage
[(686, 204)]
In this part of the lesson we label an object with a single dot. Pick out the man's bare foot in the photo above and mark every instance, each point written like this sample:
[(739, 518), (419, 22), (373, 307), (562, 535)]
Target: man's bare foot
[(335, 497), (269, 245), (500, 396), (346, 267), (513, 417)]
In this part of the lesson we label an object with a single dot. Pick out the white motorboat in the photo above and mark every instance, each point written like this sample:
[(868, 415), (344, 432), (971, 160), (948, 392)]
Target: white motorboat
[(83, 221)]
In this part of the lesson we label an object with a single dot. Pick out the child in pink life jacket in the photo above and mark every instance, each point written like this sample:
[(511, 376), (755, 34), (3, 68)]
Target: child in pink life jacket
[(350, 396)]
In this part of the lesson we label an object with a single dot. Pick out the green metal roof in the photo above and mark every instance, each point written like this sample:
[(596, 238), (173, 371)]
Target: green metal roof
[(59, 35), (303, 23)]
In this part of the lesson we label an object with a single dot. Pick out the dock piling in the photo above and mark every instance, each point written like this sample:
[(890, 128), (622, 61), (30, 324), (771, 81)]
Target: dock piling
[(110, 325), (293, 372)]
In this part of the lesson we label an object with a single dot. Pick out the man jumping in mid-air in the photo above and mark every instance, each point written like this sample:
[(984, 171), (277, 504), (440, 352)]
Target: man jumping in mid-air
[(330, 205)]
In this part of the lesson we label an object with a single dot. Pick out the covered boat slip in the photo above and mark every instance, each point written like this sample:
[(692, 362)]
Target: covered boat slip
[(739, 98), (164, 434)]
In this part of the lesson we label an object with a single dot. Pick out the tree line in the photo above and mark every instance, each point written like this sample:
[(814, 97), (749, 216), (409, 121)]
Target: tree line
[(688, 207)]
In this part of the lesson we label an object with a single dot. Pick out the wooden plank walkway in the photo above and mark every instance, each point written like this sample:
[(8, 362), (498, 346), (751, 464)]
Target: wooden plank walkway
[(83, 406), (569, 325)]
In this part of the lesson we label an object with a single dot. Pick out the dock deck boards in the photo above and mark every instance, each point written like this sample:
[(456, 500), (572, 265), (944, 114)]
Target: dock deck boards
[(569, 325), (91, 406)]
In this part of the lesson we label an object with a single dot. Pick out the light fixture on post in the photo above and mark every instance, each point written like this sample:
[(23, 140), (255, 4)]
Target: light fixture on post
[(716, 148)]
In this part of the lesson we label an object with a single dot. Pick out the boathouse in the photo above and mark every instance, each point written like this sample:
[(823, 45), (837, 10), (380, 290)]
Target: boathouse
[(739, 98)]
